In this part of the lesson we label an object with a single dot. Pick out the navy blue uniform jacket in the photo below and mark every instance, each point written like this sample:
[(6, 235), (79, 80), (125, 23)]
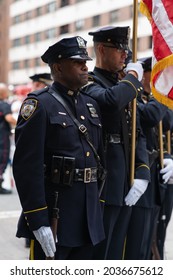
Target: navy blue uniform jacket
[(151, 114), (44, 129), (113, 96)]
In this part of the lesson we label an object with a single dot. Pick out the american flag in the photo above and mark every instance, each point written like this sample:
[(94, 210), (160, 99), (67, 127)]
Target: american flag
[(160, 15)]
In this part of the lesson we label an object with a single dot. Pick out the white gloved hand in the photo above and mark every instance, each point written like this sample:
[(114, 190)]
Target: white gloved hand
[(138, 188), (137, 67), (45, 238), (167, 171)]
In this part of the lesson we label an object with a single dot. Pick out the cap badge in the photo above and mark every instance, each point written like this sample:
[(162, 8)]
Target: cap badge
[(81, 42)]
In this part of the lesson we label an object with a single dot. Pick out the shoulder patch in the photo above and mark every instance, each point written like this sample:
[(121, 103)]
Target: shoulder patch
[(28, 108)]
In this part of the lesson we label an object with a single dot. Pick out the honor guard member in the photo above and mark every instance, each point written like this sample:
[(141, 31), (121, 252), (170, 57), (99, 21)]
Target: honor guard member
[(145, 212), (40, 80), (113, 96), (165, 211), (53, 154)]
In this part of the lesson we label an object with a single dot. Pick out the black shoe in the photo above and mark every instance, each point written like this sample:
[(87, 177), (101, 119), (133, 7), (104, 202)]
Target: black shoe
[(4, 191)]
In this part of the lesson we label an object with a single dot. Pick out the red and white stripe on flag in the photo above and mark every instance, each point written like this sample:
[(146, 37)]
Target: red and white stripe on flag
[(160, 15)]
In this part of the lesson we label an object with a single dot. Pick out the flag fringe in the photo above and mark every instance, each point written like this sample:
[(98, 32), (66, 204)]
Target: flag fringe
[(161, 98), (157, 68), (144, 10), (161, 65)]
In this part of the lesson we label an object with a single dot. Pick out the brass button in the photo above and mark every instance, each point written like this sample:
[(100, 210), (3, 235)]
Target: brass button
[(64, 124), (82, 117), (55, 170), (87, 154)]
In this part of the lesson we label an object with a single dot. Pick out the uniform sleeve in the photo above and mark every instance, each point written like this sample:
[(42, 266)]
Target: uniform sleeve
[(117, 96), (168, 121), (28, 162), (142, 170), (152, 112)]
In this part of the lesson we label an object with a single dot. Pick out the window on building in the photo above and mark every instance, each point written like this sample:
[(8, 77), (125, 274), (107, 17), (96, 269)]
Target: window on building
[(28, 15), (79, 24), (64, 29), (96, 20), (37, 37), (16, 42), (150, 42), (64, 3), (16, 19), (26, 63), (50, 33), (37, 61), (16, 65), (51, 7), (38, 11), (114, 15), (27, 39)]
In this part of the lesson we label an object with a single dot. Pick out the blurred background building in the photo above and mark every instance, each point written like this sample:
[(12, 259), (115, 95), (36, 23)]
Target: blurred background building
[(28, 27)]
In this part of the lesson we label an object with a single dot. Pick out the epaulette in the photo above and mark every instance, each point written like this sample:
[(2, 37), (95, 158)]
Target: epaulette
[(39, 91)]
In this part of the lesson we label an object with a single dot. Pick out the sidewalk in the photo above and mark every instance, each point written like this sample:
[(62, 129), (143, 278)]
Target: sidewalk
[(169, 241), (13, 248)]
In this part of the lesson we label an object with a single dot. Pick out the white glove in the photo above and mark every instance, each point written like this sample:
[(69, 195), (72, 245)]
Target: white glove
[(45, 238), (137, 67), (138, 188), (167, 171)]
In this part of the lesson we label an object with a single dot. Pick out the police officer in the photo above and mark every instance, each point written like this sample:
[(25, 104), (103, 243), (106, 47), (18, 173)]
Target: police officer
[(111, 48), (40, 80), (165, 211), (52, 154), (6, 123), (144, 214)]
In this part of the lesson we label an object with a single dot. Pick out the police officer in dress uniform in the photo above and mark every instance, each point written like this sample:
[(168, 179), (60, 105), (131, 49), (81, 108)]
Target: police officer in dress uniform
[(52, 154), (145, 212), (113, 96), (40, 80), (167, 203)]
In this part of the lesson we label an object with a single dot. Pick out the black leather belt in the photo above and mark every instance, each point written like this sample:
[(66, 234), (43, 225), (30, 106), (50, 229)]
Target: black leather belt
[(114, 138), (86, 175)]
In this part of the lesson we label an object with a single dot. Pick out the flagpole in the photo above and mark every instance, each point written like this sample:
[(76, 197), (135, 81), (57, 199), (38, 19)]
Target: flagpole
[(168, 134), (161, 143), (134, 58)]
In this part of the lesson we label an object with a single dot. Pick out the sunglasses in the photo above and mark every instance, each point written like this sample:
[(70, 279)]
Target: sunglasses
[(118, 50)]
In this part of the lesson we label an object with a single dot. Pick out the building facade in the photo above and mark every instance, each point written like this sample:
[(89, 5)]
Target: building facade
[(35, 25), (4, 40)]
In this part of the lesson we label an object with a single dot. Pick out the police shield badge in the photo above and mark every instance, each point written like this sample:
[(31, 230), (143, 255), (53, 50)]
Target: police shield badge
[(28, 108)]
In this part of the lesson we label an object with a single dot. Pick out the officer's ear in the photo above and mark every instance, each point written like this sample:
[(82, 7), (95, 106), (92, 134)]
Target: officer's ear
[(57, 67)]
